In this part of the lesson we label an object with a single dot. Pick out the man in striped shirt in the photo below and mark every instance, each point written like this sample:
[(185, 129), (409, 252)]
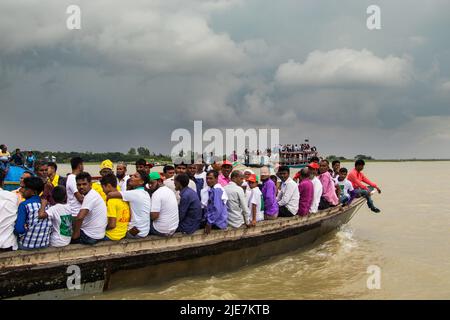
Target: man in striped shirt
[(33, 233)]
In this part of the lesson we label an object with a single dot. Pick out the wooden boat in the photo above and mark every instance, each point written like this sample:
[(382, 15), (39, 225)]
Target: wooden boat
[(46, 273)]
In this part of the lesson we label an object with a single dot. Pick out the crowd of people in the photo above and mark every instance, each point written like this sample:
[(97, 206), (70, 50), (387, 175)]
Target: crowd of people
[(50, 210)]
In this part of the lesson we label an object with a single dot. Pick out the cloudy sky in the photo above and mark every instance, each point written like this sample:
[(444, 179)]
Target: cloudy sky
[(139, 69)]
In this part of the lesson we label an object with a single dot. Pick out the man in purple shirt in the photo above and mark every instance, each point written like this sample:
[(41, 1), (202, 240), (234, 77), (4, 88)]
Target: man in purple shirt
[(329, 197), (306, 191), (269, 192)]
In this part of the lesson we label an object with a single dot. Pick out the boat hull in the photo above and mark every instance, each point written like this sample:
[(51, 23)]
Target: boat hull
[(44, 273)]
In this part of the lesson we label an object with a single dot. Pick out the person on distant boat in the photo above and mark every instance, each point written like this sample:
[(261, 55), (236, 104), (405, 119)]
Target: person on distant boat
[(214, 200), (74, 197), (8, 216), (33, 233), (140, 165), (5, 158), (164, 210), (90, 223), (357, 178), (140, 204), (41, 170), (329, 197), (59, 216), (237, 203), (118, 211), (106, 168), (288, 196), (255, 201), (30, 160), (121, 175), (345, 186), (224, 176), (306, 192), (269, 192), (54, 177), (190, 208), (313, 168), (335, 165), (17, 158)]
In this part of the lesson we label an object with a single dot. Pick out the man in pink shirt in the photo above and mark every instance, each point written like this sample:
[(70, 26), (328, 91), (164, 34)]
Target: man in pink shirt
[(224, 176), (357, 178), (329, 197)]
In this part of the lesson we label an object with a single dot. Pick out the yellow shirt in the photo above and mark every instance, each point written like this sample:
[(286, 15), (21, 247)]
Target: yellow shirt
[(120, 210), (98, 187), (55, 180)]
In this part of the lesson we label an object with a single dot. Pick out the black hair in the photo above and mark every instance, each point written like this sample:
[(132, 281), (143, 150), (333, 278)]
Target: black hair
[(235, 174), (53, 165), (343, 170), (167, 168), (314, 159), (360, 162), (2, 176), (325, 160), (304, 173), (59, 194), (141, 162), (284, 169), (84, 176), (181, 164), (39, 164), (144, 176), (76, 162), (34, 183), (335, 162), (214, 173), (183, 179), (110, 178)]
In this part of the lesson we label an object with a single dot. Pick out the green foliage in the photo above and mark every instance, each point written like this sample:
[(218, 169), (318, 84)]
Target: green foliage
[(363, 157)]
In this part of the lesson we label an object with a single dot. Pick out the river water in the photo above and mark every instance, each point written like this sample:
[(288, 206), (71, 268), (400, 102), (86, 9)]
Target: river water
[(409, 241)]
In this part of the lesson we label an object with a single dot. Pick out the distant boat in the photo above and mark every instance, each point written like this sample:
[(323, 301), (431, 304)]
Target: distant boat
[(12, 179)]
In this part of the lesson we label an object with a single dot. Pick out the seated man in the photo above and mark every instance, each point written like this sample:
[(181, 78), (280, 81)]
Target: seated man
[(357, 178), (329, 197), (236, 204), (214, 200), (59, 216), (164, 211), (313, 169), (255, 201), (8, 215), (34, 233), (118, 211), (190, 208), (269, 192), (306, 192), (90, 223), (288, 196), (345, 186)]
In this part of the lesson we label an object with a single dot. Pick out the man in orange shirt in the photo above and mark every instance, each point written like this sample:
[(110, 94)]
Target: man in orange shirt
[(357, 178)]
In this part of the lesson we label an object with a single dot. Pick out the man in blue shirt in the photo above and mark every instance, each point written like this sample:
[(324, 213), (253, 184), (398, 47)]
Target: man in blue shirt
[(34, 233), (190, 208)]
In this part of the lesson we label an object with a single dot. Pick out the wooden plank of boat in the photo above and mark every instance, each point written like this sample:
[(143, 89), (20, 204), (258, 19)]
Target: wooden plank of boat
[(31, 272)]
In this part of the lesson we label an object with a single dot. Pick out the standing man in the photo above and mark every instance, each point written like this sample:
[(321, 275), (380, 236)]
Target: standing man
[(30, 160), (237, 204), (306, 192), (164, 212), (288, 197), (8, 216), (329, 197), (190, 209), (41, 170), (91, 221), (224, 176), (214, 200), (5, 157), (140, 165), (54, 177), (269, 192), (357, 178), (200, 177), (169, 172), (17, 158), (74, 197), (313, 168), (122, 176)]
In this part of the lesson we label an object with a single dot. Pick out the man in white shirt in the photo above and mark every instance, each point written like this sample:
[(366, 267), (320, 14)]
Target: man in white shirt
[(345, 186), (180, 168), (236, 204), (164, 212), (74, 197), (90, 223), (140, 204), (122, 176), (8, 215), (318, 189), (288, 197)]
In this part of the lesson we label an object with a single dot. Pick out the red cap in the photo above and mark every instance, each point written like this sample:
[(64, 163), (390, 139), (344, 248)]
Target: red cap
[(252, 178), (226, 162), (313, 165)]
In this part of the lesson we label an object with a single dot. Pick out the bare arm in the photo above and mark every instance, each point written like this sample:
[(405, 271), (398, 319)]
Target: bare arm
[(42, 214), (78, 222), (79, 197), (154, 215), (114, 195), (111, 223)]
